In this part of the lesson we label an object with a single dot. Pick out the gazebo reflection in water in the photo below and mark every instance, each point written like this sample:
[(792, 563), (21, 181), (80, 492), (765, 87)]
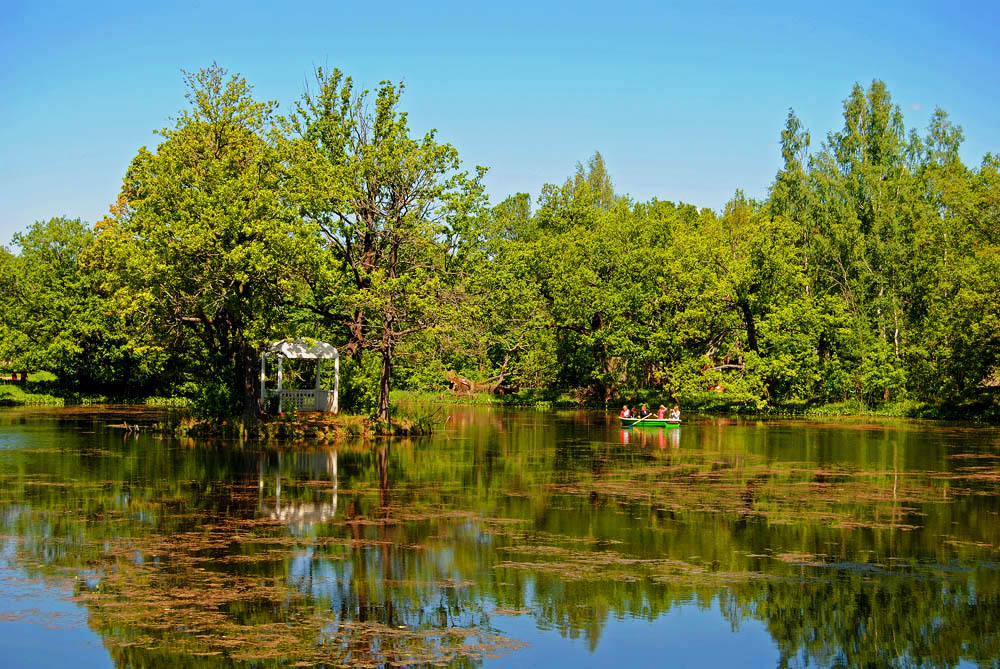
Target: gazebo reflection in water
[(299, 513)]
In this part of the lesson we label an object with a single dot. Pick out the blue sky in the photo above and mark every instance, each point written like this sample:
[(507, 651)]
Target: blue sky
[(684, 101)]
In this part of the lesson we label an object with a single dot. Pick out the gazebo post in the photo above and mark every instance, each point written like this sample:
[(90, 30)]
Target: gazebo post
[(263, 399), (319, 368), (281, 408), (336, 383)]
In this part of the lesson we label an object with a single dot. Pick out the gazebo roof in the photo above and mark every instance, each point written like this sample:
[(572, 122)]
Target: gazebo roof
[(311, 349)]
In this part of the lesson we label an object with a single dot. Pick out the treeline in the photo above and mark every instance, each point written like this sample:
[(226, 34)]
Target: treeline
[(870, 273)]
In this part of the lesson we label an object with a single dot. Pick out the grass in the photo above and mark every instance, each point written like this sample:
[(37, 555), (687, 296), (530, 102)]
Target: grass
[(171, 402), (984, 408), (853, 407), (20, 394), (981, 409), (15, 395), (42, 388)]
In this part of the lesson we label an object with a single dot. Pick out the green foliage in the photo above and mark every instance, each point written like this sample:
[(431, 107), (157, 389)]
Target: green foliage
[(173, 402), (392, 212), (869, 275), (359, 385), (202, 242), (11, 395), (864, 277), (215, 401), (53, 316)]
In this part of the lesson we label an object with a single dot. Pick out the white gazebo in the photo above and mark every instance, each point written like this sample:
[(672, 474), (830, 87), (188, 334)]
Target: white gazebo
[(303, 400)]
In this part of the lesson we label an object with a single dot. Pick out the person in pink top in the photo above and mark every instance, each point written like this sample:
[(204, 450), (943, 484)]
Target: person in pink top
[(625, 412), (662, 413)]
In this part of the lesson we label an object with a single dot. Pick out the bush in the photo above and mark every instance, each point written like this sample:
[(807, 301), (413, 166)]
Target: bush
[(173, 402), (215, 401), (359, 384), (11, 395)]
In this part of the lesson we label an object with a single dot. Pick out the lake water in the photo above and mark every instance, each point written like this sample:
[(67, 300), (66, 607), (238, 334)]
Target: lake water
[(508, 538)]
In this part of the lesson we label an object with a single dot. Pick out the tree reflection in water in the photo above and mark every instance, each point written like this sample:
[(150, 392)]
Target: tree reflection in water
[(867, 548)]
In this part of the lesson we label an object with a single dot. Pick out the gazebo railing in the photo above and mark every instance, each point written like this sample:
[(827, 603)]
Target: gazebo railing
[(306, 400)]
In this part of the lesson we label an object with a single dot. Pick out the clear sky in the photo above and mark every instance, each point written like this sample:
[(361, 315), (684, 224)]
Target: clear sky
[(685, 101)]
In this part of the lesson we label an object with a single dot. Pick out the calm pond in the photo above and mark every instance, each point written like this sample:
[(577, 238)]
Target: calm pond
[(509, 538)]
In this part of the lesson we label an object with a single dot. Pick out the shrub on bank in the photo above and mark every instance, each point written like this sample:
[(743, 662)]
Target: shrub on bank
[(984, 408), (530, 397), (11, 395), (171, 402)]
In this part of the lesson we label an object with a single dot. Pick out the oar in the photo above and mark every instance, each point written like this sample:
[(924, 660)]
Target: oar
[(640, 420)]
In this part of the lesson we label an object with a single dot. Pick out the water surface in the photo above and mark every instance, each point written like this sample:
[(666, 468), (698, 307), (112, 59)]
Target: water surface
[(509, 538)]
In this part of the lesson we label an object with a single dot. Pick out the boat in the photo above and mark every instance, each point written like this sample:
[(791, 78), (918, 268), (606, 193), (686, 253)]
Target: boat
[(650, 422)]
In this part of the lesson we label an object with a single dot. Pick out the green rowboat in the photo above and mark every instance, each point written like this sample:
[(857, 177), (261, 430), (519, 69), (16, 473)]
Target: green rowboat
[(651, 422)]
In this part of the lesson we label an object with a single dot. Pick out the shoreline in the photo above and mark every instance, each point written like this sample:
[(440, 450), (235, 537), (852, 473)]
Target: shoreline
[(344, 426), (732, 407)]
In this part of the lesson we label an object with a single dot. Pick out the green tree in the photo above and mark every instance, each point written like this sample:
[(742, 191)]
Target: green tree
[(960, 345), (503, 329), (866, 208), (50, 295), (13, 342), (202, 246), (792, 197), (54, 317), (578, 200), (393, 210)]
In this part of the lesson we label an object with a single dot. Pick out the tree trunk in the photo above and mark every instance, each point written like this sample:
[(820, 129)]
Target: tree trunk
[(248, 381), (384, 384), (355, 338), (385, 376)]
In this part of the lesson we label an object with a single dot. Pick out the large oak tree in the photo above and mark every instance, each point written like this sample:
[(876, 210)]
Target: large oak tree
[(202, 243)]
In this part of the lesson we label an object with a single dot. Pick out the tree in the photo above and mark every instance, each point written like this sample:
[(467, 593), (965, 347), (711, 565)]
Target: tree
[(50, 294), (55, 319), (202, 245), (13, 342), (579, 199), (962, 280), (790, 192), (392, 209), (867, 206)]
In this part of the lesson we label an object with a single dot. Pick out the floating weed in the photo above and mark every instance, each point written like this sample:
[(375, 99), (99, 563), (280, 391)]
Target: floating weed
[(189, 582), (176, 594), (807, 559), (502, 611), (785, 493), (571, 565), (974, 456)]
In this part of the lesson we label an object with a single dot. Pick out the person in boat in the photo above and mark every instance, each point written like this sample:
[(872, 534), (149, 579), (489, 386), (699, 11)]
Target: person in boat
[(662, 412), (644, 412), (625, 412), (675, 413)]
